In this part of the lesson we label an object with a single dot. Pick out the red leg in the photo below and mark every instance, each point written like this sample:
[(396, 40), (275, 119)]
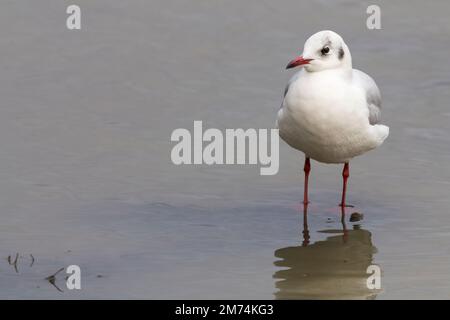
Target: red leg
[(307, 169), (345, 175)]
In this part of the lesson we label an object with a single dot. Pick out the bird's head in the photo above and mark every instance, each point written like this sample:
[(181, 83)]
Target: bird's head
[(323, 50)]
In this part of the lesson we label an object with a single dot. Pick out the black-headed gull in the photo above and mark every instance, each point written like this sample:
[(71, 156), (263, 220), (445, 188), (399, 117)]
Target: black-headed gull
[(330, 111)]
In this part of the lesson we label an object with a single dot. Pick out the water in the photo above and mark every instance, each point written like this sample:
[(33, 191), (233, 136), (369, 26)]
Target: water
[(86, 176)]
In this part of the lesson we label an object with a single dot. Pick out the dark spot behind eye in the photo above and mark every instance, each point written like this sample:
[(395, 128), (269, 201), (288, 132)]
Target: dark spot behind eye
[(341, 53)]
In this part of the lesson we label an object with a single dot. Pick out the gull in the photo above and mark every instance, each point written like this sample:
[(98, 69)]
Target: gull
[(330, 111)]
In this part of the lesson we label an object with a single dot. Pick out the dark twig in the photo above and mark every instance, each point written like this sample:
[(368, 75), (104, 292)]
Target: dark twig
[(52, 279), (32, 260), (15, 262)]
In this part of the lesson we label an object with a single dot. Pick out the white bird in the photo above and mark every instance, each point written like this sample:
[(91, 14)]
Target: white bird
[(330, 111)]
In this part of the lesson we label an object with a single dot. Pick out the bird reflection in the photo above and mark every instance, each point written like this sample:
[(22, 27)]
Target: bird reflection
[(334, 268)]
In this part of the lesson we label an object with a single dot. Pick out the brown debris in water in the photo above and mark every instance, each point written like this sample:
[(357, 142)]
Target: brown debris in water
[(356, 216)]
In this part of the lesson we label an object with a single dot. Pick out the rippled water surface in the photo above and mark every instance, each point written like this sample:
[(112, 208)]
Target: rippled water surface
[(86, 176)]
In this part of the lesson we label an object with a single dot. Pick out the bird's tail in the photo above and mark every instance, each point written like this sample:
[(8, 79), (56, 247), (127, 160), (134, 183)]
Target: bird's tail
[(382, 132)]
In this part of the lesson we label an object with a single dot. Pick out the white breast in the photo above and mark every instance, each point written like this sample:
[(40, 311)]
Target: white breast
[(326, 116)]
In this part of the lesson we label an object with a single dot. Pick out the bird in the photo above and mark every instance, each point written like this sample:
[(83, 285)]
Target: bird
[(330, 111)]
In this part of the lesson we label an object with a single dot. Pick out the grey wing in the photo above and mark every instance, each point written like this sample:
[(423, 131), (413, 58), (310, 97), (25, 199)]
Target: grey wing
[(373, 95), (295, 77), (285, 93), (286, 89)]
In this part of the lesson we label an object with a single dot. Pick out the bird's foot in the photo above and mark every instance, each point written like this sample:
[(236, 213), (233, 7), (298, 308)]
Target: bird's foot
[(346, 205)]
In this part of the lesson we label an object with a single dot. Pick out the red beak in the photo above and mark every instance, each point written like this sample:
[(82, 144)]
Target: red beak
[(298, 62)]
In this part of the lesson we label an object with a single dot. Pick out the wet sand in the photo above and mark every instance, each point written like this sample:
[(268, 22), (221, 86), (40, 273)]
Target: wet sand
[(86, 176)]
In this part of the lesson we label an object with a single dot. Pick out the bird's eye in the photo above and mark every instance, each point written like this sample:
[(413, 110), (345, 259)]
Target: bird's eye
[(325, 50)]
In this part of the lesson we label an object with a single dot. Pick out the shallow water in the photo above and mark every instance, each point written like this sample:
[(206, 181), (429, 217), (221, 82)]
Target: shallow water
[(86, 176)]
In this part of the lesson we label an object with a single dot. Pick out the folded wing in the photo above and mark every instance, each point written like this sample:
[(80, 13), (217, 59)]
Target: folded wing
[(373, 95)]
